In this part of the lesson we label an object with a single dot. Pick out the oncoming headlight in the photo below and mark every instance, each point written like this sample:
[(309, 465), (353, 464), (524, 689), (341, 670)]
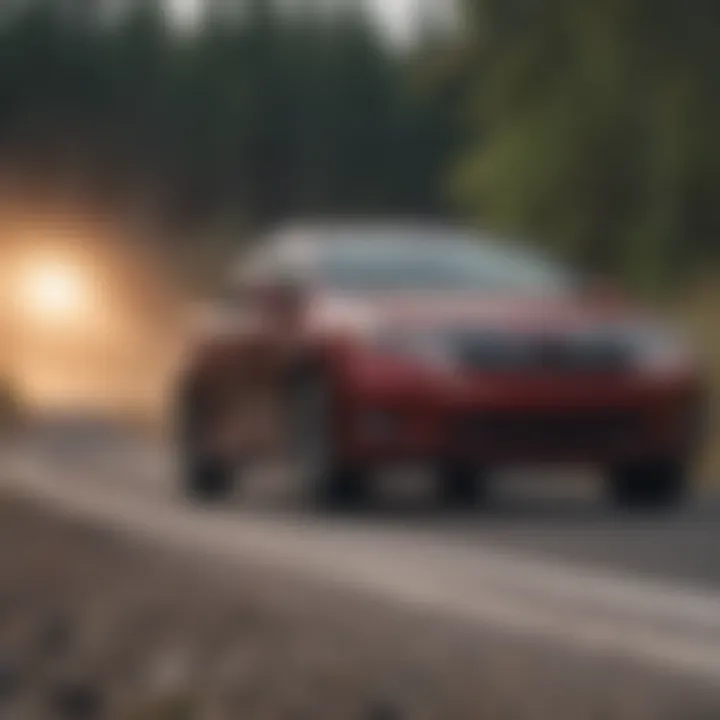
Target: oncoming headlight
[(429, 349), (657, 350)]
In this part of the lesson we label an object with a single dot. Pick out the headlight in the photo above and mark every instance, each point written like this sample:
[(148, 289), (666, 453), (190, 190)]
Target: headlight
[(658, 350), (427, 348)]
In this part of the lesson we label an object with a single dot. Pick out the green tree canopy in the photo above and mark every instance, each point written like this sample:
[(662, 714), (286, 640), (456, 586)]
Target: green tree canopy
[(595, 128), (261, 115)]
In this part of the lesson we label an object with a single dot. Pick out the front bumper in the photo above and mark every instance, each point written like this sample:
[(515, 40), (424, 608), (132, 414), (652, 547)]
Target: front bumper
[(504, 420)]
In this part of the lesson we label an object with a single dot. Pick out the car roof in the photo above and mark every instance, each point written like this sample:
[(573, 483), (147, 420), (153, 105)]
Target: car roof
[(302, 244), (307, 242), (332, 230)]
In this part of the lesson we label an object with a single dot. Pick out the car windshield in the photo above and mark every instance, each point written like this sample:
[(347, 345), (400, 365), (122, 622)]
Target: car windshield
[(443, 264)]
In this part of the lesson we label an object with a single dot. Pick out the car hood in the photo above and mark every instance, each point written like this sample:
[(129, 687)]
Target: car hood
[(487, 312)]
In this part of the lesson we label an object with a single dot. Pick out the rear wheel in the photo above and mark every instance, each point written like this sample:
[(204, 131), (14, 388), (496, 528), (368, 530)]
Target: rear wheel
[(342, 488), (460, 486), (206, 477), (208, 480), (650, 485), (330, 482)]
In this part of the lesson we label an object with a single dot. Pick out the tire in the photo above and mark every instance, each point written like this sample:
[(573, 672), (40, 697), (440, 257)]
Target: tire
[(327, 481), (204, 478), (653, 485), (460, 486), (208, 481), (342, 489)]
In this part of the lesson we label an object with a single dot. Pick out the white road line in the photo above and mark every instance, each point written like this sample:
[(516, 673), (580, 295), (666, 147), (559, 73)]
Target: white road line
[(670, 626)]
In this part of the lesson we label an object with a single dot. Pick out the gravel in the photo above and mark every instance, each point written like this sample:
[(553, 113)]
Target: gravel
[(93, 625)]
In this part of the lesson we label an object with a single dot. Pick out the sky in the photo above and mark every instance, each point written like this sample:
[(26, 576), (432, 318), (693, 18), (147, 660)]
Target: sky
[(398, 17)]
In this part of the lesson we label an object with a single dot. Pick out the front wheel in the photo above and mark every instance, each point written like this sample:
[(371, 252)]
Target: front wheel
[(460, 486), (653, 485), (329, 482), (205, 477), (207, 480)]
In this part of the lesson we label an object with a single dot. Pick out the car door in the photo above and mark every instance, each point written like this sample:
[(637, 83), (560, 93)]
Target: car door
[(278, 294), (257, 341)]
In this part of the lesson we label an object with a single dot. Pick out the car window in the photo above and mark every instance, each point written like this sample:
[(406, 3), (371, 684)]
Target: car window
[(258, 266), (437, 264)]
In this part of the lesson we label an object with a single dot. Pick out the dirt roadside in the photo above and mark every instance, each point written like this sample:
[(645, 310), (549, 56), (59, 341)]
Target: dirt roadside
[(95, 626)]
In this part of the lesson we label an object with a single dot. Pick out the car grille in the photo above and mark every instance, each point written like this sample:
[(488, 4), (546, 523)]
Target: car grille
[(547, 431), (552, 354)]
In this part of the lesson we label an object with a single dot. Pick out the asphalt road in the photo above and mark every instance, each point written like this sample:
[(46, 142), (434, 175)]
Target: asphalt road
[(548, 559)]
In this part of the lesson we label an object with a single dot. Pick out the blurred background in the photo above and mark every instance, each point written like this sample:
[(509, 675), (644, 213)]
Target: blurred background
[(143, 142)]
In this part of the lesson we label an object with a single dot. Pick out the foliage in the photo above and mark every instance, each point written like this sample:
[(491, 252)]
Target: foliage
[(596, 128), (588, 125), (256, 118)]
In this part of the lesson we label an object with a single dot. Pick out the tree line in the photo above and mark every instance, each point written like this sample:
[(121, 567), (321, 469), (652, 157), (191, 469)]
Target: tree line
[(589, 126)]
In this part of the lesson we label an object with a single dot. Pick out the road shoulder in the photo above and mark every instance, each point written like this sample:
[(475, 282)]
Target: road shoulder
[(142, 626)]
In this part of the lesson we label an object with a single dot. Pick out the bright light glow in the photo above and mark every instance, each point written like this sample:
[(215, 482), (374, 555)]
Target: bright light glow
[(53, 290)]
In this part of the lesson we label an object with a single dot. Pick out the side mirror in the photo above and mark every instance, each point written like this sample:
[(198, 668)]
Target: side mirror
[(285, 295), (604, 290)]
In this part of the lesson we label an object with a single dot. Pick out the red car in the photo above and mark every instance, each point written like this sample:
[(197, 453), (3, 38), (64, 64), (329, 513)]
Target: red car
[(350, 347)]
